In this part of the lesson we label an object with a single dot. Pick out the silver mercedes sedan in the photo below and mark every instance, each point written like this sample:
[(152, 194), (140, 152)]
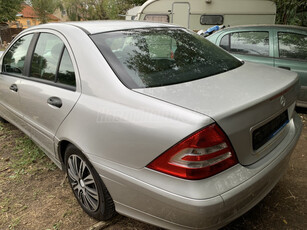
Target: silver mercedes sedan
[(151, 120)]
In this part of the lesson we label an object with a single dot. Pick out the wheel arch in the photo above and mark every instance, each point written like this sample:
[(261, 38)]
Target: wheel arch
[(62, 146), (108, 210)]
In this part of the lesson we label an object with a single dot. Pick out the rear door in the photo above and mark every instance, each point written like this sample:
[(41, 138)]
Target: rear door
[(291, 54), (181, 13), (250, 45), (51, 89)]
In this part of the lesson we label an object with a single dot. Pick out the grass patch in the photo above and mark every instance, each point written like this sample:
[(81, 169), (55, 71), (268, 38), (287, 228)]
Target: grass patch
[(4, 204), (25, 157), (21, 161), (27, 153), (28, 156), (14, 223)]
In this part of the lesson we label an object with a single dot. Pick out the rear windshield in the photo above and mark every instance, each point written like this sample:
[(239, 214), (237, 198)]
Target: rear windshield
[(144, 58)]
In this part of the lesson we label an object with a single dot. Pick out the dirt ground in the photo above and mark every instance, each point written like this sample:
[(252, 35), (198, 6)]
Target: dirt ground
[(34, 194)]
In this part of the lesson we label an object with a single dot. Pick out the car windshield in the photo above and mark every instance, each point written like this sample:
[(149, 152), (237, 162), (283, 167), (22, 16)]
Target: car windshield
[(144, 58)]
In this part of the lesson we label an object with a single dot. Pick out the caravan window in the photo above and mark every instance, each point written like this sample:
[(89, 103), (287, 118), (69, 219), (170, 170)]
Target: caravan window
[(157, 18), (211, 19)]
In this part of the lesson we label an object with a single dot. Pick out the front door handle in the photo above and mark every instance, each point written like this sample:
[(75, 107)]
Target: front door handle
[(55, 101), (284, 67), (14, 88)]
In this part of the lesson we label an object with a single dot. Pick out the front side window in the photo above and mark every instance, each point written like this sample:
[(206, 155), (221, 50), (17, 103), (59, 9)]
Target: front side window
[(157, 18), (292, 45), (211, 19), (14, 59), (250, 43), (46, 57), (154, 57)]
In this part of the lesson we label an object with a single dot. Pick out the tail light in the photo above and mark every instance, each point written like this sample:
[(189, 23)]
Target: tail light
[(201, 155)]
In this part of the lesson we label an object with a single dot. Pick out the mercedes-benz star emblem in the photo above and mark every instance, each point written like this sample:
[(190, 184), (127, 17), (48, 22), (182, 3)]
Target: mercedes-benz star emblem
[(282, 101)]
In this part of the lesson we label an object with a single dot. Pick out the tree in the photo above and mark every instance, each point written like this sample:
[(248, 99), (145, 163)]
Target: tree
[(84, 9), (98, 9), (115, 8), (136, 2), (43, 8), (291, 12), (9, 9), (72, 9)]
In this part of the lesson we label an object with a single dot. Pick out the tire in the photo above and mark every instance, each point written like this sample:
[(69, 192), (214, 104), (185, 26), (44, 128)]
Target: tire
[(88, 188)]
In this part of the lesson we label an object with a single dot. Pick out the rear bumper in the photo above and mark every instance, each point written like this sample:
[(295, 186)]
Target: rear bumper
[(240, 188)]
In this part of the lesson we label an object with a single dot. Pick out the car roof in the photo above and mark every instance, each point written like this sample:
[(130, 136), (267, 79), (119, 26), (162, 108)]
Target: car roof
[(94, 27), (266, 26)]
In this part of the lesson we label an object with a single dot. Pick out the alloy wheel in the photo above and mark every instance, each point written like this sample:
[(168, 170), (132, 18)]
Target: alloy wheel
[(83, 183)]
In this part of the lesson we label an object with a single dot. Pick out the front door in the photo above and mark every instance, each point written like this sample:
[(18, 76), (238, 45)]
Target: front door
[(12, 73)]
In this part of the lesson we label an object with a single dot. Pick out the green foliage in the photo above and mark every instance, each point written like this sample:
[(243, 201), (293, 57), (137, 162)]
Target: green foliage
[(136, 2), (84, 9), (27, 154), (43, 8), (98, 9), (116, 8), (9, 9), (291, 12)]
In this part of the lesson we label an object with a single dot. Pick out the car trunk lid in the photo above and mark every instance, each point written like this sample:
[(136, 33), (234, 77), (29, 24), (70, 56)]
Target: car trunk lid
[(252, 104)]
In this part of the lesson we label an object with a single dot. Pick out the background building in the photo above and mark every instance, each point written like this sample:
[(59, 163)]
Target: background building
[(27, 18)]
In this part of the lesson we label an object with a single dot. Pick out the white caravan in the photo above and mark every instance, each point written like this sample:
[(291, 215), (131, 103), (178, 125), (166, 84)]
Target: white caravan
[(202, 14)]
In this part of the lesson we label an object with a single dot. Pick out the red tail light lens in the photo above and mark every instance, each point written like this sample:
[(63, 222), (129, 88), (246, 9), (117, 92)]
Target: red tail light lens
[(201, 155)]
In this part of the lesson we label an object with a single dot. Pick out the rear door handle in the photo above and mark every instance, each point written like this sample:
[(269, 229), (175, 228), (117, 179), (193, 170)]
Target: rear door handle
[(55, 101), (284, 67), (14, 88)]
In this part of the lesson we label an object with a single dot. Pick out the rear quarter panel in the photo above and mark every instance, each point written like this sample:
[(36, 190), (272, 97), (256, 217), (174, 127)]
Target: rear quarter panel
[(128, 135)]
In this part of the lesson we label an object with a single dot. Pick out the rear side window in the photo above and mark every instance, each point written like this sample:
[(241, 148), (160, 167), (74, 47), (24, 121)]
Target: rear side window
[(66, 74), (292, 45), (225, 42), (14, 59), (154, 57), (211, 19), (51, 61), (250, 43)]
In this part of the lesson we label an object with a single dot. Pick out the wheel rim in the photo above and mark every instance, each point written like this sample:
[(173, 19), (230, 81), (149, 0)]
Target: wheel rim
[(83, 183)]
